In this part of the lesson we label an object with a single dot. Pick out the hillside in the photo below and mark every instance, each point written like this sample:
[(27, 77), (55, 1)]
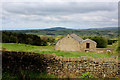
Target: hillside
[(106, 32)]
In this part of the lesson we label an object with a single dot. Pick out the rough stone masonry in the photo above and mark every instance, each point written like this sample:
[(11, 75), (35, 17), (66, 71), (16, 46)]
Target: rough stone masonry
[(63, 67), (75, 66)]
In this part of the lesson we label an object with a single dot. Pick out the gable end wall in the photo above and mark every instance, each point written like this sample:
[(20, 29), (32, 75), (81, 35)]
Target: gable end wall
[(68, 44)]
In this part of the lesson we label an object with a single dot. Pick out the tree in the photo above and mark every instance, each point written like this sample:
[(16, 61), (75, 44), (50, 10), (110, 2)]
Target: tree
[(5, 38), (101, 41), (12, 39)]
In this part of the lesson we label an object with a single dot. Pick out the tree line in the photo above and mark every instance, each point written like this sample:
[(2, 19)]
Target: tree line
[(13, 37)]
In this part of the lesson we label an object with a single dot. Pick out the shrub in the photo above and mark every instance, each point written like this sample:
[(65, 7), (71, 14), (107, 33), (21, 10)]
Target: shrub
[(108, 51), (101, 41), (87, 75), (110, 42), (117, 48)]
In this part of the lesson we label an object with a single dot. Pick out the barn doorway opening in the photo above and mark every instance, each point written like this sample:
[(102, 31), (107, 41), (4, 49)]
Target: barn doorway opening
[(87, 45)]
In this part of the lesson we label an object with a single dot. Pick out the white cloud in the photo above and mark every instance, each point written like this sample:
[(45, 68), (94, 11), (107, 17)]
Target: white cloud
[(60, 1), (68, 14)]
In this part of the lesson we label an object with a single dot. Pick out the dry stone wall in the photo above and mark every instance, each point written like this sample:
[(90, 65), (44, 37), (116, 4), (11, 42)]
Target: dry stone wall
[(14, 62), (72, 66), (60, 66), (104, 50)]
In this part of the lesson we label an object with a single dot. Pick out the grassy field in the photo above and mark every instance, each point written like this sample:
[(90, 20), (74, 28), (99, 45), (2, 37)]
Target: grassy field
[(25, 47), (110, 46), (50, 50)]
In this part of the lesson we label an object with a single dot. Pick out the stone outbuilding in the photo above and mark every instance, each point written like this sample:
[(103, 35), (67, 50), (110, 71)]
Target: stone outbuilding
[(72, 42)]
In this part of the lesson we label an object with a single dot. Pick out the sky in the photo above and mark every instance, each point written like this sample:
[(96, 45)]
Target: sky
[(48, 14)]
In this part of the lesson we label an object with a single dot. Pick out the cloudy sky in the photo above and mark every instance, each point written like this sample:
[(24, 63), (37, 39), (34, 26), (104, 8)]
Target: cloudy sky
[(40, 15)]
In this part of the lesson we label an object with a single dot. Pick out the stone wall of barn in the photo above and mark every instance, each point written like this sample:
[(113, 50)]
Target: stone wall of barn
[(62, 67), (92, 47), (68, 44)]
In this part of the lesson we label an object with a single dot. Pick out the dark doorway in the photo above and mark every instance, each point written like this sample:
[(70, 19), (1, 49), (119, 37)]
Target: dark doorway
[(87, 45)]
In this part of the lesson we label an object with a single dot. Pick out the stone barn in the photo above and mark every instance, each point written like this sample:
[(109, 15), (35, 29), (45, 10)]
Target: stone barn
[(72, 42)]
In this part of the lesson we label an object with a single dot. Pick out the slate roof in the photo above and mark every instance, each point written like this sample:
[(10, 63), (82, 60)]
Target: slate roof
[(76, 37), (89, 40), (80, 39)]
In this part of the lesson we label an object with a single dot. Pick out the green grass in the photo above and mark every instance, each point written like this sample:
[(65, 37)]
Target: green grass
[(109, 46), (50, 50), (29, 75), (25, 47), (77, 54)]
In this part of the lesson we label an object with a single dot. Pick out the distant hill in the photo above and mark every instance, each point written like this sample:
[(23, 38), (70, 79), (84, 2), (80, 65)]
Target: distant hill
[(107, 32), (57, 28), (89, 28)]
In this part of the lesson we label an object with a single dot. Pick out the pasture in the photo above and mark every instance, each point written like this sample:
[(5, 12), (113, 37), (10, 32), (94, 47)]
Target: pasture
[(50, 50), (110, 46)]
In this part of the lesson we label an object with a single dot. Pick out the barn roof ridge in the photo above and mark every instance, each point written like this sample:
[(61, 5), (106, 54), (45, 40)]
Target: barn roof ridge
[(89, 40), (76, 37)]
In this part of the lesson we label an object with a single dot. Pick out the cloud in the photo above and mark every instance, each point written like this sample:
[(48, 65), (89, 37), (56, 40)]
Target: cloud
[(60, 1), (54, 8), (68, 14)]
